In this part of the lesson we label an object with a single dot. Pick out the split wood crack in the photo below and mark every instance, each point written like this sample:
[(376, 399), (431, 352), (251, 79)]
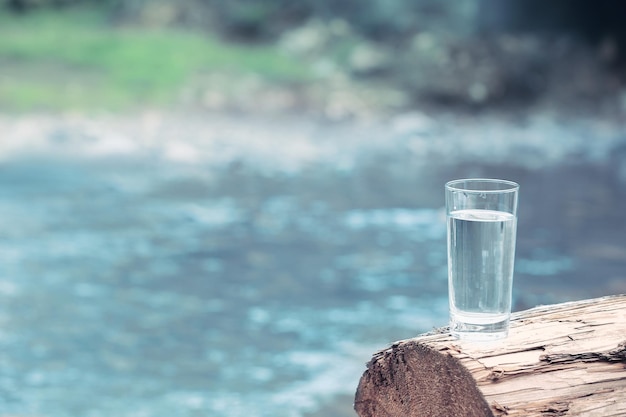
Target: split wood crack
[(616, 355)]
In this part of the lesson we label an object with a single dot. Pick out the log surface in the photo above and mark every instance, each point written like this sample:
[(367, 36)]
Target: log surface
[(561, 360)]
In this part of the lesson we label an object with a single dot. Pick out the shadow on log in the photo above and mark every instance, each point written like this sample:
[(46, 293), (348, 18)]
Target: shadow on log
[(561, 360)]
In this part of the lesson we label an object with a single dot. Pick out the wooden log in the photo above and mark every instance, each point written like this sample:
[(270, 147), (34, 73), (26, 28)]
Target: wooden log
[(560, 360)]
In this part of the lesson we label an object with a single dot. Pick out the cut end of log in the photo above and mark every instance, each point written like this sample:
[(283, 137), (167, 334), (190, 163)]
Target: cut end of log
[(406, 381)]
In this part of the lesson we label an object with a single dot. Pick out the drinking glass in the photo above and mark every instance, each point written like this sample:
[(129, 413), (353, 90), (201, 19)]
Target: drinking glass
[(482, 222)]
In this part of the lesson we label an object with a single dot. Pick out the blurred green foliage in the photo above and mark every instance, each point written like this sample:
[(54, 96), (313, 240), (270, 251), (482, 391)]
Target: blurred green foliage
[(75, 58), (263, 19)]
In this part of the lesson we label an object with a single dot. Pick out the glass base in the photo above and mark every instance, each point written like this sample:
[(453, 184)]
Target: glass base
[(479, 332)]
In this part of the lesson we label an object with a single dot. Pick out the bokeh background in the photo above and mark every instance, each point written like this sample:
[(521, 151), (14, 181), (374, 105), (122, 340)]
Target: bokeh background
[(215, 208)]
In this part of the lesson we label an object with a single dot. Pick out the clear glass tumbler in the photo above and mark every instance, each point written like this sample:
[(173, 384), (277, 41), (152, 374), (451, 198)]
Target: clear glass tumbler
[(482, 224)]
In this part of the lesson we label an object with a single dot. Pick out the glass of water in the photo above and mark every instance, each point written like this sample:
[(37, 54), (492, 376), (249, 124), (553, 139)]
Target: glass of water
[(482, 221)]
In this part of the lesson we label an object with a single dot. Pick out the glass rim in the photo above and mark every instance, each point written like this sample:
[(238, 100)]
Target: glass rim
[(510, 186)]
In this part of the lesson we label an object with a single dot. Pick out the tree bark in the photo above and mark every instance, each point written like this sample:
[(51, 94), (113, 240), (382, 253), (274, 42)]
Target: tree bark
[(561, 360)]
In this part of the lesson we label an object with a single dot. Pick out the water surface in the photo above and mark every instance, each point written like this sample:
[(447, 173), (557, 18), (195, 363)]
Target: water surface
[(159, 266)]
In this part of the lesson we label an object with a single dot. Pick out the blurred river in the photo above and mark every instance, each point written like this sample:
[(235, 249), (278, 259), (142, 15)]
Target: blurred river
[(170, 265)]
